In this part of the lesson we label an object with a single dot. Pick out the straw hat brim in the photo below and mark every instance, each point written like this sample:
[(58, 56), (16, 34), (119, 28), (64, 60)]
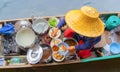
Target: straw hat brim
[(82, 26)]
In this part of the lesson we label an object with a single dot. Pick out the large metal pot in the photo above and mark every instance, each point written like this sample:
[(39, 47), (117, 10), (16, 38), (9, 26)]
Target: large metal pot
[(25, 37)]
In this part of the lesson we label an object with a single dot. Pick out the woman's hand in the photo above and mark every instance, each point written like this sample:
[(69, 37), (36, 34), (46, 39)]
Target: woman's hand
[(71, 49)]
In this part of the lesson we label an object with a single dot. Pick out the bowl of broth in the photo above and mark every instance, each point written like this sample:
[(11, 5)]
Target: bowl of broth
[(71, 41)]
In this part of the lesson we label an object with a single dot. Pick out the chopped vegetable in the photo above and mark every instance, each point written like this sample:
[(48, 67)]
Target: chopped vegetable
[(53, 22)]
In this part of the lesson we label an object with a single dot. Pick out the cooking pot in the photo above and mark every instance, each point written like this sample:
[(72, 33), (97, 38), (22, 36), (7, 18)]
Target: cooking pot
[(47, 53), (40, 26), (21, 24), (70, 41), (25, 37)]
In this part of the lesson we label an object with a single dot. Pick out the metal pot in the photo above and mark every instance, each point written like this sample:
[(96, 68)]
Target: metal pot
[(47, 53), (22, 23), (40, 26), (70, 41), (25, 37)]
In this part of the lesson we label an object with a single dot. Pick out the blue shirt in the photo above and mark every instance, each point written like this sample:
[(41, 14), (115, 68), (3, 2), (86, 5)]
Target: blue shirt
[(88, 42)]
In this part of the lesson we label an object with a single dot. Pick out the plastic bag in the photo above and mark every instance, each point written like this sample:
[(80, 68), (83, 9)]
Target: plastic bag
[(7, 29)]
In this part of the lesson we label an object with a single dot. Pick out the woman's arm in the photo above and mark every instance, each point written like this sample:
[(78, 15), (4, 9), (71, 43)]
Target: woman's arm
[(89, 43), (61, 23), (59, 26)]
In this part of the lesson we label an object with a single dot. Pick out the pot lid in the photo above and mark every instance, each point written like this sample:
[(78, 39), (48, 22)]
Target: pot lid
[(35, 54)]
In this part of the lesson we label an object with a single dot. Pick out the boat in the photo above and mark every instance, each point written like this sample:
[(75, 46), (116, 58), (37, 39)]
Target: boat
[(77, 60)]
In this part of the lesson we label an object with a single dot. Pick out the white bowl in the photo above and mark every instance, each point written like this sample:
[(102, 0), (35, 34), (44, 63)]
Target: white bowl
[(58, 33), (52, 42), (25, 37)]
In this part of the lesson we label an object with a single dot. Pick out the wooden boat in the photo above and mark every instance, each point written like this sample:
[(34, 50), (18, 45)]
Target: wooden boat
[(100, 44)]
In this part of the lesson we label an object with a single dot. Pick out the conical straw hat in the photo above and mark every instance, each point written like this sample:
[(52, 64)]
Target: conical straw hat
[(85, 21)]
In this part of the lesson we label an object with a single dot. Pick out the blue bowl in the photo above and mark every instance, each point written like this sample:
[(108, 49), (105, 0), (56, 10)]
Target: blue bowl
[(61, 52), (115, 48)]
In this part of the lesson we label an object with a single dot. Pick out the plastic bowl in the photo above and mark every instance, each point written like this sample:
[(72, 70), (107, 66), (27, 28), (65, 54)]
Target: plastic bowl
[(60, 52), (53, 21), (114, 48)]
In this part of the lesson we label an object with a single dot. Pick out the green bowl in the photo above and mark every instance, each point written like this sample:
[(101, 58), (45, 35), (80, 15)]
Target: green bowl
[(53, 21)]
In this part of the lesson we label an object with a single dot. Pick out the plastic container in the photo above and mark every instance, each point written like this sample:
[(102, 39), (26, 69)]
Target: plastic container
[(61, 52), (112, 22), (115, 48)]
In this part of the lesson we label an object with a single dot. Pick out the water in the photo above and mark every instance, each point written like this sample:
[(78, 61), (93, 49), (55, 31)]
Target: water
[(11, 9)]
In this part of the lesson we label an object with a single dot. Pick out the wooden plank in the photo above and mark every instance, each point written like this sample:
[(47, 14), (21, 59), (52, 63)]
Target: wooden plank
[(0, 35), (15, 56), (45, 17), (39, 65), (13, 20)]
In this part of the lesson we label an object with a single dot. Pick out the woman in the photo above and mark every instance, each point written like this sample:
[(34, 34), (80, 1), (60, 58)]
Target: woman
[(85, 26)]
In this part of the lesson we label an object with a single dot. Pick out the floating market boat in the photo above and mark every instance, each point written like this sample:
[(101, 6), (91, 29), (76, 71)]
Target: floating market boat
[(26, 64)]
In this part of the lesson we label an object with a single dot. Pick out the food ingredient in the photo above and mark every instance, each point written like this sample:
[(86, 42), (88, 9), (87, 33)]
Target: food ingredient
[(53, 22), (58, 56), (63, 48), (55, 48)]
